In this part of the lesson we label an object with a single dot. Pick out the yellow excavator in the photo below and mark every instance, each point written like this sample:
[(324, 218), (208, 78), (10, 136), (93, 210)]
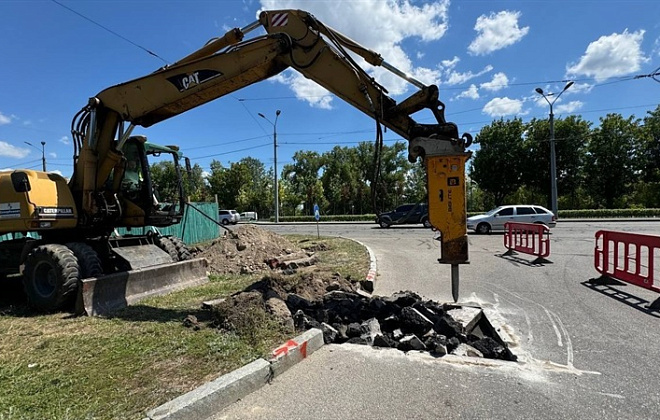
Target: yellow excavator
[(77, 256)]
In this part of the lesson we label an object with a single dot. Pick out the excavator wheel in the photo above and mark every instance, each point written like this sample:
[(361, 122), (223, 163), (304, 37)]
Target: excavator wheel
[(50, 277), (181, 248), (165, 243), (88, 260)]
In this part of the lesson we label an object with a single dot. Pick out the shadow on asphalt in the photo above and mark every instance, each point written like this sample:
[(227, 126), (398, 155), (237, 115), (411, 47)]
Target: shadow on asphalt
[(515, 260), (603, 285)]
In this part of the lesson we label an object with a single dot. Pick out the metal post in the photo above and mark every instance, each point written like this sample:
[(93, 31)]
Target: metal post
[(43, 155), (553, 165), (553, 157), (277, 192)]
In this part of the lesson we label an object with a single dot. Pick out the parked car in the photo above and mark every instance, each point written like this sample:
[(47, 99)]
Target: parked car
[(496, 218), (228, 216), (405, 214), (249, 215)]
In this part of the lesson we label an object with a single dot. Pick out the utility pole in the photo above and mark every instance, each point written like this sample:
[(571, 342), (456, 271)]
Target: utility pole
[(43, 153), (277, 199), (553, 159)]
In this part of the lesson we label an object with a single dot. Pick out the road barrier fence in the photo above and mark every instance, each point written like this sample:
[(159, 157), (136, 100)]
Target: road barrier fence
[(528, 238), (628, 257)]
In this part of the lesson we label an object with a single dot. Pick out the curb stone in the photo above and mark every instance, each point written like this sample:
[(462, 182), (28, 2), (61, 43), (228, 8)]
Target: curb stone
[(371, 275), (212, 397)]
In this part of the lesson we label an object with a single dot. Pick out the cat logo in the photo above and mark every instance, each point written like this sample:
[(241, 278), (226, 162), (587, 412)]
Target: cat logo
[(186, 81)]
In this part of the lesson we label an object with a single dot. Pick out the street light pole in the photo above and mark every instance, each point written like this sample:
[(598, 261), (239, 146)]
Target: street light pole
[(277, 192), (43, 153), (553, 159)]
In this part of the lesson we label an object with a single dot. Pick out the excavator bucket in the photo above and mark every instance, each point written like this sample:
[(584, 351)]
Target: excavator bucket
[(106, 294)]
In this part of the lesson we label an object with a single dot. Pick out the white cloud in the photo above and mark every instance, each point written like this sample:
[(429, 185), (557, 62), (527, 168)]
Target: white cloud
[(610, 56), (8, 150), (65, 140), (579, 88), (496, 31), (498, 82), (569, 107), (390, 23), (471, 93), (450, 64), (4, 119), (456, 78), (56, 171), (499, 107), (53, 155), (306, 90)]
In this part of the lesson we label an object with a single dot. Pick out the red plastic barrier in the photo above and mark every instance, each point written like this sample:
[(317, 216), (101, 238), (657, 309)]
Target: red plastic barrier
[(528, 238), (627, 257)]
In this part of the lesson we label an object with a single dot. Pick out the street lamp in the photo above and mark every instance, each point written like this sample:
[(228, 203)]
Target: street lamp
[(43, 153), (553, 159), (277, 199)]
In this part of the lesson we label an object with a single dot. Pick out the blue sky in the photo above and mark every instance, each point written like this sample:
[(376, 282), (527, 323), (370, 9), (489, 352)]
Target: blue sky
[(487, 57)]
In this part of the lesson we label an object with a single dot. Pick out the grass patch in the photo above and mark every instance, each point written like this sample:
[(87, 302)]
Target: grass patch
[(59, 367)]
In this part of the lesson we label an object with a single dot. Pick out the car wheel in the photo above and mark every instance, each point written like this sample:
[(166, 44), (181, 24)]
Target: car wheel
[(427, 223), (225, 222), (483, 228), (384, 224)]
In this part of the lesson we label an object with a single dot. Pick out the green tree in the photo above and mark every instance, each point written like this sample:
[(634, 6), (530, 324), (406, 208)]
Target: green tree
[(571, 138), (610, 166), (341, 179), (165, 180), (498, 166), (302, 176)]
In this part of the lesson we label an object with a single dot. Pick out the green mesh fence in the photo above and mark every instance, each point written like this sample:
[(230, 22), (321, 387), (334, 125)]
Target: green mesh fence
[(198, 224)]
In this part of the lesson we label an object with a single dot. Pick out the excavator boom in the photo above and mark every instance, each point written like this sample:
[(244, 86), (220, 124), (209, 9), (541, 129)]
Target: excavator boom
[(294, 39)]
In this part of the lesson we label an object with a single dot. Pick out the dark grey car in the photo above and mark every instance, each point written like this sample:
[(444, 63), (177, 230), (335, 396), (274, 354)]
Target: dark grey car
[(405, 214)]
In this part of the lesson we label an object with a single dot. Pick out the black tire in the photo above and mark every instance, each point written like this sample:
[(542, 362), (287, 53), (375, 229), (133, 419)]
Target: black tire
[(182, 250), (427, 223), (225, 222), (164, 243), (88, 260), (383, 224), (483, 228), (50, 277)]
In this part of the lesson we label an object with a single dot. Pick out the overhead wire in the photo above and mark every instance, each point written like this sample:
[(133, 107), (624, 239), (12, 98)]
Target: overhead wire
[(111, 31)]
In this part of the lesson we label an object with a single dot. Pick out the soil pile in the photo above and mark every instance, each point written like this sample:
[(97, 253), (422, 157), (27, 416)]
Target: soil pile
[(247, 250)]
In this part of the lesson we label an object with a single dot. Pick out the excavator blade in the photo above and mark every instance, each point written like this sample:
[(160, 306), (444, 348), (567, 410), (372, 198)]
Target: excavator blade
[(106, 294)]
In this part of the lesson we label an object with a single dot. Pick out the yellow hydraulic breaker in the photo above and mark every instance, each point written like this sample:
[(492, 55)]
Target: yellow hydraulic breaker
[(445, 176)]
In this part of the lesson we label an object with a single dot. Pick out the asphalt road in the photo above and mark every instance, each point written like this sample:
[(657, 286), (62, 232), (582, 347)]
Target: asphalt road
[(585, 351)]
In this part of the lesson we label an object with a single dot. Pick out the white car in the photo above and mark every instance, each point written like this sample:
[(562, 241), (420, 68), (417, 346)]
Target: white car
[(496, 218), (228, 216)]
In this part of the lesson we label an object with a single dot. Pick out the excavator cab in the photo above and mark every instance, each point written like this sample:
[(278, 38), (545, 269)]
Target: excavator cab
[(144, 201)]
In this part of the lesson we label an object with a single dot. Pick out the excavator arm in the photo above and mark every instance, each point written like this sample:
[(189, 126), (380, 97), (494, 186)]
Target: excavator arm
[(294, 39)]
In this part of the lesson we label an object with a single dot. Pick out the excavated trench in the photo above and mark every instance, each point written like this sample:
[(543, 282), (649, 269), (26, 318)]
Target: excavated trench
[(403, 321), (301, 295)]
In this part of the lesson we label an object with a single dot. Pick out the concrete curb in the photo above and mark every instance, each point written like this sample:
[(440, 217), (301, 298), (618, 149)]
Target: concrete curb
[(214, 396), (294, 351), (371, 275)]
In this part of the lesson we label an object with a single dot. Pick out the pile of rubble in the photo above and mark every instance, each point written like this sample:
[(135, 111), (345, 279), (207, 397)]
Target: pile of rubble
[(249, 249), (346, 314)]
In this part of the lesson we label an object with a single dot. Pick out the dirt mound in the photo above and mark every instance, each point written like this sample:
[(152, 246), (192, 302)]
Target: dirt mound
[(246, 250)]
